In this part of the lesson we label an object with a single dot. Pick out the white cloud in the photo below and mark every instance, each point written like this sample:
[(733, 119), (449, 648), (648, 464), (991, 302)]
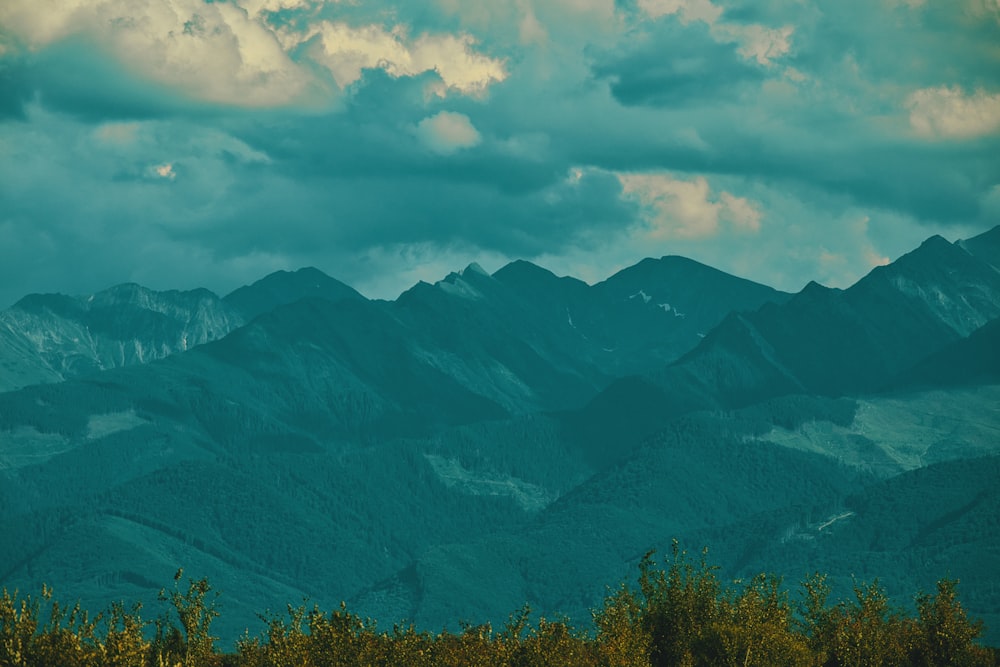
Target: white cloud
[(211, 51), (948, 112), (121, 134), (258, 7), (530, 29), (740, 212), (447, 132), (229, 53), (756, 42), (687, 209), (687, 10), (600, 8), (346, 51), (855, 256), (165, 171)]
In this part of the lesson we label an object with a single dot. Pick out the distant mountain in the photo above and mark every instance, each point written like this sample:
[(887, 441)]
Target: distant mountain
[(642, 317), (986, 247), (553, 342), (51, 337), (490, 440), (836, 342), (284, 287), (968, 361)]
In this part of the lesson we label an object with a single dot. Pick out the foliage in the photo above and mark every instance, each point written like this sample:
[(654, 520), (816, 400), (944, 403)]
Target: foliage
[(678, 615), (192, 643)]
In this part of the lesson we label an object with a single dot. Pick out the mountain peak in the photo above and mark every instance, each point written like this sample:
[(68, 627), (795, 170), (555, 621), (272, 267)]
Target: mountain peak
[(284, 287), (59, 304), (814, 289), (935, 241), (474, 269), (985, 247), (522, 270)]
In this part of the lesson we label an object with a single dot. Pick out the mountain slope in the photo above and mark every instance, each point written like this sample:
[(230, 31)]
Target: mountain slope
[(51, 337), (559, 341), (284, 287), (839, 342), (985, 246), (969, 361), (908, 532), (429, 458)]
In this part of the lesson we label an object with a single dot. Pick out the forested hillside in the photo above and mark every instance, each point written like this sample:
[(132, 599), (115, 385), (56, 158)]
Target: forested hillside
[(491, 441)]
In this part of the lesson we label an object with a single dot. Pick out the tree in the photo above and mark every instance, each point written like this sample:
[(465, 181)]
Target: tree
[(945, 635), (680, 605), (622, 639), (755, 628), (196, 614)]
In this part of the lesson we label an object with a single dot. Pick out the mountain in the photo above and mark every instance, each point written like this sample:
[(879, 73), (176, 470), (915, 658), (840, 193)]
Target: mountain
[(986, 247), (51, 337), (642, 317), (491, 440), (553, 343), (760, 502), (284, 287), (908, 532), (837, 342), (972, 360)]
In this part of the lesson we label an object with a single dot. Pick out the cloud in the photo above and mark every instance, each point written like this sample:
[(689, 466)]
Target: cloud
[(757, 42), (687, 208), (164, 171), (447, 132), (948, 112), (347, 51), (363, 136), (687, 10), (214, 52), (232, 53), (671, 65)]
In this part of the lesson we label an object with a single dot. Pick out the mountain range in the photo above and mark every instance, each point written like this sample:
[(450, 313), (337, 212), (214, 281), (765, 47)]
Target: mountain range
[(496, 439)]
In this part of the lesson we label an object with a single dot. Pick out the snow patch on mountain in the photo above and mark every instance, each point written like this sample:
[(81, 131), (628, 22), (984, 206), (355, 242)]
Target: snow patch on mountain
[(641, 294)]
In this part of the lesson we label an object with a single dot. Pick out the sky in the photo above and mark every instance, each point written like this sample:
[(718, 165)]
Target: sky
[(185, 143)]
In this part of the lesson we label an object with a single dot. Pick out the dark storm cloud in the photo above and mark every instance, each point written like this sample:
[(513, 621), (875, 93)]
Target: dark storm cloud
[(212, 157), (75, 77), (15, 88), (673, 65)]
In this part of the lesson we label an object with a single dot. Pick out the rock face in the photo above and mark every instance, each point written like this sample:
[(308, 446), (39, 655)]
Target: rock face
[(51, 337)]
